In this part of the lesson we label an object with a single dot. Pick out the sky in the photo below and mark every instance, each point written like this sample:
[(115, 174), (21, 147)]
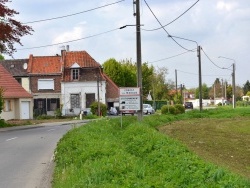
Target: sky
[(220, 27)]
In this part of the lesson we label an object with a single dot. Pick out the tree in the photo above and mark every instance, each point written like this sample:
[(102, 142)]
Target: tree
[(114, 70), (204, 90), (246, 87), (10, 29), (1, 57)]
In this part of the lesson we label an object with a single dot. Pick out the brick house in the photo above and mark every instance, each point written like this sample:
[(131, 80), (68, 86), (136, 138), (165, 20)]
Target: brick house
[(18, 102), (45, 83), (83, 82)]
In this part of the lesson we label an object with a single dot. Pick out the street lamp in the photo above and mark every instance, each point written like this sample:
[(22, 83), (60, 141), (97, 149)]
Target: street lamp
[(233, 79), (199, 63)]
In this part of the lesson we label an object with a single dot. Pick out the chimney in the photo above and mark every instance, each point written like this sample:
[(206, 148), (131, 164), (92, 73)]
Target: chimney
[(67, 48)]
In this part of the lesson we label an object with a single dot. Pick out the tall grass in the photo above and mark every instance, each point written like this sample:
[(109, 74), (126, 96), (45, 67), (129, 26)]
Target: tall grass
[(102, 154)]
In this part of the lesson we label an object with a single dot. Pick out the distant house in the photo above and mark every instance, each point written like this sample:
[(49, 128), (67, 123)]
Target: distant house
[(82, 82), (45, 83), (18, 102), (18, 69)]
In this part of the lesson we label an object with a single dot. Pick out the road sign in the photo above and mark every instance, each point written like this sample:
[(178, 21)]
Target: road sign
[(129, 98), (129, 103), (129, 91)]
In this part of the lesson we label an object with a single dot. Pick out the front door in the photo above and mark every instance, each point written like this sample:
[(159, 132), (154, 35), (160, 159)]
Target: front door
[(90, 98), (25, 110)]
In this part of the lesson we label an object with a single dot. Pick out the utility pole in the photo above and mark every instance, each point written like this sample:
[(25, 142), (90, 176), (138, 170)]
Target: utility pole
[(138, 49), (200, 82), (176, 89), (233, 80)]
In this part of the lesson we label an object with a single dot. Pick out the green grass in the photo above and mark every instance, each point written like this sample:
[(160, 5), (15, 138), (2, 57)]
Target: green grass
[(102, 154)]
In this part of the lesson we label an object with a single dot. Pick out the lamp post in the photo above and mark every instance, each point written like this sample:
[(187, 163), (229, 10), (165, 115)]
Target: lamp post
[(199, 65), (233, 79)]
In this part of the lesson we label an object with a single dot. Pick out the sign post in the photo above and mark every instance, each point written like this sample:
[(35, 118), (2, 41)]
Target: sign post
[(129, 99)]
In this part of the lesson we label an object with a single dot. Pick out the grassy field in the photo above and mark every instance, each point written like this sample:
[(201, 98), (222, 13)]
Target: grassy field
[(154, 152), (225, 142)]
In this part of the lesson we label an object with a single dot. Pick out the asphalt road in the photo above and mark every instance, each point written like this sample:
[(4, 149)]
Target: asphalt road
[(26, 155)]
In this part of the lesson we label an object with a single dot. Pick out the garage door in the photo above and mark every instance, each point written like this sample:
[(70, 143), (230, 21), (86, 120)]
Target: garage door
[(25, 110)]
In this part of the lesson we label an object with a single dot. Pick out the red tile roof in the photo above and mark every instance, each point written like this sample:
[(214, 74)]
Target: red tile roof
[(82, 58), (44, 65), (12, 89)]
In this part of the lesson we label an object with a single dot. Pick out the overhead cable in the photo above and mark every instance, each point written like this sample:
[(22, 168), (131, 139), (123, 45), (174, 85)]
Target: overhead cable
[(59, 17), (172, 20), (214, 62), (91, 36), (164, 28), (171, 56)]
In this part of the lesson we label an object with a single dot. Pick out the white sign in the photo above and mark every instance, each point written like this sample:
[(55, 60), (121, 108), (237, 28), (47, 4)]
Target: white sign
[(128, 91), (129, 103)]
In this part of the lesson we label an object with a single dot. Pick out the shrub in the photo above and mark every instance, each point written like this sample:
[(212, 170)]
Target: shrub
[(94, 108), (179, 109), (172, 110), (164, 109)]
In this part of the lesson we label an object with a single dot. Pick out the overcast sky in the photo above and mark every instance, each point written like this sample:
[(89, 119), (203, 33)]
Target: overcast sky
[(220, 27)]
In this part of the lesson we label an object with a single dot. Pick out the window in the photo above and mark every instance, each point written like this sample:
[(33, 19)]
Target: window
[(75, 101), (75, 74), (46, 84), (7, 105)]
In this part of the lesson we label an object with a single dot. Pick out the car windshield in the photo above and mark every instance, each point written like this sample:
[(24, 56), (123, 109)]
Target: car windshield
[(145, 106)]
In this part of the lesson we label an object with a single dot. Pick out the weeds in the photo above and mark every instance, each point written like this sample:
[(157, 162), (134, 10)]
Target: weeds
[(102, 154)]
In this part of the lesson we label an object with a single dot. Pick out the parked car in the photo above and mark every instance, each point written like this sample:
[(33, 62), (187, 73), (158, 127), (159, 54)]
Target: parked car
[(148, 109), (113, 111), (132, 112), (188, 105)]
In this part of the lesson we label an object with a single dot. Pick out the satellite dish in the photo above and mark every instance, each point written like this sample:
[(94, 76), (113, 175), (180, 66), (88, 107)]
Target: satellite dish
[(25, 66)]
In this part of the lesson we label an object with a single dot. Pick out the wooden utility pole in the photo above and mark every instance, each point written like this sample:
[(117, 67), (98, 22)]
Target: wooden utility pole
[(138, 49)]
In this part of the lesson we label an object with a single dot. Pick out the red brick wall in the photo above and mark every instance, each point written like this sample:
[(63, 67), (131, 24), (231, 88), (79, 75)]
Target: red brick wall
[(34, 84)]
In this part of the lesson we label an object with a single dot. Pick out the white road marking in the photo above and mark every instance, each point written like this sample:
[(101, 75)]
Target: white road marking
[(50, 130), (11, 139)]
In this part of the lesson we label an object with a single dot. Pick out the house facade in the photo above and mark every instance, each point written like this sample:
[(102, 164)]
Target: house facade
[(82, 82), (45, 83), (71, 81), (18, 103), (18, 69)]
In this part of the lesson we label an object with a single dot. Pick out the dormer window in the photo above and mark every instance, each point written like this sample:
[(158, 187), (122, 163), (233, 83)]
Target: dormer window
[(75, 71), (75, 74)]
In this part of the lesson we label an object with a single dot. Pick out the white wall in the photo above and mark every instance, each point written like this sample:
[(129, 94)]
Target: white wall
[(82, 88), (26, 84)]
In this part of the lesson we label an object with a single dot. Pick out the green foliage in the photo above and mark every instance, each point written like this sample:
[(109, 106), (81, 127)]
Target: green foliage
[(180, 109), (246, 87), (104, 154), (1, 57), (176, 109), (114, 70), (94, 108), (164, 109), (58, 112), (2, 123)]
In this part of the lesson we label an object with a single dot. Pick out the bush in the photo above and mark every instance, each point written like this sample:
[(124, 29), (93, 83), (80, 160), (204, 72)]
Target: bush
[(94, 108), (179, 109), (164, 109), (172, 110)]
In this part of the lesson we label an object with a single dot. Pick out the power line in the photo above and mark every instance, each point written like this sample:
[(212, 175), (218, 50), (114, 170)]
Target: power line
[(91, 36), (197, 74), (214, 62), (164, 28), (59, 17), (171, 57), (174, 19)]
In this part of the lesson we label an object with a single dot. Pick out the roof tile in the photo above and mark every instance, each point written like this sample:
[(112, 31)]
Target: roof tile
[(12, 89)]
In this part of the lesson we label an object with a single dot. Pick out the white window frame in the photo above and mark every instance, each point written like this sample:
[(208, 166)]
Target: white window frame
[(43, 84), (76, 74)]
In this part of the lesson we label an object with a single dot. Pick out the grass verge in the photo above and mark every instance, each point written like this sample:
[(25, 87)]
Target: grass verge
[(102, 154)]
